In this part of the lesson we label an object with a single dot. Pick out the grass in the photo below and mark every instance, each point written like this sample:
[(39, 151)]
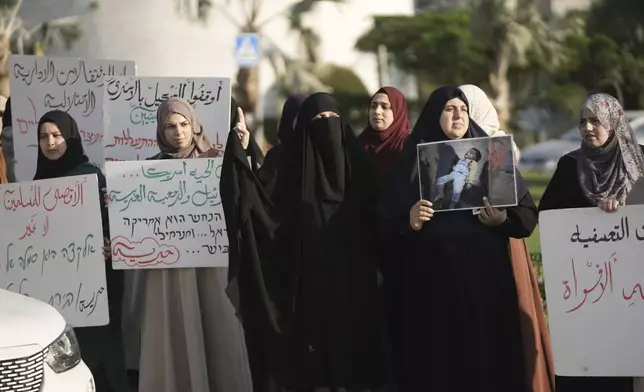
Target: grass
[(537, 183)]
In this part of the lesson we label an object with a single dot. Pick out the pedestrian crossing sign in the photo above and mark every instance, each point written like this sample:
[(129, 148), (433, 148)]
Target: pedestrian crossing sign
[(247, 50)]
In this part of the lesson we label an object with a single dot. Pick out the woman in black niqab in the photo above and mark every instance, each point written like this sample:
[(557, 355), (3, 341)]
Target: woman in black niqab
[(304, 257), (457, 314)]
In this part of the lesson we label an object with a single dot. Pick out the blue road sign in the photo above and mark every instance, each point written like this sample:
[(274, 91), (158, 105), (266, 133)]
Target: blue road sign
[(247, 50)]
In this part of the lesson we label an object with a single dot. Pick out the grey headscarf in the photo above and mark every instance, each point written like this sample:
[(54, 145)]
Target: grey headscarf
[(200, 142), (609, 172)]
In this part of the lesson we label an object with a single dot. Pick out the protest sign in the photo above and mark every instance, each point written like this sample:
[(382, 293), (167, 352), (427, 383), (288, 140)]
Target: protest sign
[(131, 105), (594, 273), (40, 84), (166, 214), (51, 238)]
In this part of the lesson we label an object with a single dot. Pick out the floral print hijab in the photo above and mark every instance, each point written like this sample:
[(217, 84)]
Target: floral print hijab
[(609, 172)]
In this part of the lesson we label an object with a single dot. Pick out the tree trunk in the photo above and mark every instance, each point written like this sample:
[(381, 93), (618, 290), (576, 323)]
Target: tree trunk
[(247, 92), (500, 85), (247, 95)]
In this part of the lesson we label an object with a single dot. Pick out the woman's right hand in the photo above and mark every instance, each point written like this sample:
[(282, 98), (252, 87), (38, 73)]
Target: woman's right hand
[(241, 129), (609, 205), (420, 213)]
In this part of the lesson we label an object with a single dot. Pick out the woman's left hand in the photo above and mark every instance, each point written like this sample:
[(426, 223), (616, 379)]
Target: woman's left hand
[(241, 129), (609, 205), (491, 216), (107, 249)]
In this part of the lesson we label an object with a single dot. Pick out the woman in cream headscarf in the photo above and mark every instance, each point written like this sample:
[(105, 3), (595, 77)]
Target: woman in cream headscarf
[(534, 329), (191, 339), (484, 114)]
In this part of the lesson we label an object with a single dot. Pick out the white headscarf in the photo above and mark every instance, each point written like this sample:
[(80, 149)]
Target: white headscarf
[(484, 114)]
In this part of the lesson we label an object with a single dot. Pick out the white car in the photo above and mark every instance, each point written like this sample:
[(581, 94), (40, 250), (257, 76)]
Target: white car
[(38, 350)]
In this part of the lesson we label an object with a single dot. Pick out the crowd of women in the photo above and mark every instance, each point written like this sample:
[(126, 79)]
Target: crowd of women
[(340, 278)]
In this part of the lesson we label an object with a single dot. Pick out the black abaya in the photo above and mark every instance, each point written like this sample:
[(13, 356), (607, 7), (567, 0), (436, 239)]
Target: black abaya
[(304, 257), (457, 317)]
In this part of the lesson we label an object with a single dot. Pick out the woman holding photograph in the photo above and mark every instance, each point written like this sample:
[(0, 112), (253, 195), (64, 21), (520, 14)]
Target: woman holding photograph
[(61, 154), (191, 339), (599, 174), (534, 327), (461, 326)]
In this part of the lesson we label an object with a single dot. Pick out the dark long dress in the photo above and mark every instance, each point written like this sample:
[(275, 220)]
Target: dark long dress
[(562, 192), (461, 328), (303, 260), (458, 319)]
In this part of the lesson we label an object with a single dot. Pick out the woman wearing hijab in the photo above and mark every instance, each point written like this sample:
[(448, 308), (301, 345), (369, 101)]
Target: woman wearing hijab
[(383, 139), (388, 128), (485, 115), (191, 339), (534, 327), (60, 154), (133, 293), (599, 174), (304, 258), (460, 327)]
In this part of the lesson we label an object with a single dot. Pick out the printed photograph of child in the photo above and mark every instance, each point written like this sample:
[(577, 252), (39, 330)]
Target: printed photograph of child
[(457, 174)]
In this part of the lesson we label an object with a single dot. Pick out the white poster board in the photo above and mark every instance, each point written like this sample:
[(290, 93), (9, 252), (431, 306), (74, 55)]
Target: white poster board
[(594, 273), (40, 84), (166, 214), (131, 105), (51, 238)]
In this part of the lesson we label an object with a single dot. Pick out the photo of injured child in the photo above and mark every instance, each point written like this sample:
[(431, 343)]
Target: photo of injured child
[(457, 174)]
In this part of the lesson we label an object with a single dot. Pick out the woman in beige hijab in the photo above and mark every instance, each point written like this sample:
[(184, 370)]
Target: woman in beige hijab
[(484, 113), (534, 329), (191, 339)]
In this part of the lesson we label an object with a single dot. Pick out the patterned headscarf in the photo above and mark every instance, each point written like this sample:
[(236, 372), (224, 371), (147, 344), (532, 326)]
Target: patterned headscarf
[(609, 172)]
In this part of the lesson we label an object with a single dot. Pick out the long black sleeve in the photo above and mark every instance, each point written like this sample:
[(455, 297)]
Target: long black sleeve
[(558, 192), (102, 185), (522, 219)]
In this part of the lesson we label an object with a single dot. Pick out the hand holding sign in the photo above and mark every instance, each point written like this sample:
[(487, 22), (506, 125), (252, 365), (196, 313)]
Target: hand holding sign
[(609, 205), (240, 128)]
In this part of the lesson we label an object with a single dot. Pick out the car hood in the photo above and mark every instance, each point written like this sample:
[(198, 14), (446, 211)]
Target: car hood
[(26, 321)]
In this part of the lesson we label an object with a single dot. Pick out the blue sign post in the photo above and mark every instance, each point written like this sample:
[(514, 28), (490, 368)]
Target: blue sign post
[(248, 50)]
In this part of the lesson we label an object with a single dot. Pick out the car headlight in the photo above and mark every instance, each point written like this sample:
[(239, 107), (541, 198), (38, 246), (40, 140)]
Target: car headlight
[(64, 353)]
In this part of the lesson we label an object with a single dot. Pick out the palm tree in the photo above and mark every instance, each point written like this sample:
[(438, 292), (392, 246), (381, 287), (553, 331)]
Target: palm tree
[(15, 37), (297, 73), (516, 26)]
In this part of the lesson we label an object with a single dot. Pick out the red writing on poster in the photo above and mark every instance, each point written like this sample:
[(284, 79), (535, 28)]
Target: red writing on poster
[(145, 253)]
